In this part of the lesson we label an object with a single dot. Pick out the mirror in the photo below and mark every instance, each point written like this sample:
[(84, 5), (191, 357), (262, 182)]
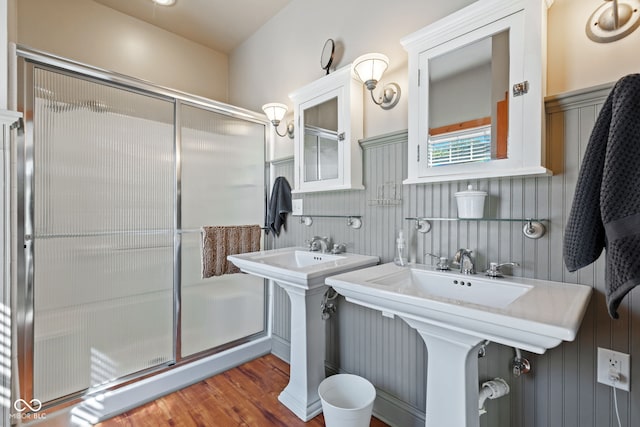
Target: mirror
[(328, 113), (502, 46), (320, 146), (326, 57), (468, 103)]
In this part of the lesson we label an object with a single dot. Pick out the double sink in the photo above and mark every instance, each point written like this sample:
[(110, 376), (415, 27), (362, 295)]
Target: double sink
[(453, 313)]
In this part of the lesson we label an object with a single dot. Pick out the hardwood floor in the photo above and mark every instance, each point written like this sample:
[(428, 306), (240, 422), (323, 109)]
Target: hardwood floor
[(245, 396)]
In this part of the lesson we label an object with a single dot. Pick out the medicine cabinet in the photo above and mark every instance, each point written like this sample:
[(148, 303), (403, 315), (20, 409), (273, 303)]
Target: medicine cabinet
[(328, 117), (476, 89)]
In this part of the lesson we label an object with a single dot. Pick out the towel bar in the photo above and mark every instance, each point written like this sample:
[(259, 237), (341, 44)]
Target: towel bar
[(533, 228), (353, 221)]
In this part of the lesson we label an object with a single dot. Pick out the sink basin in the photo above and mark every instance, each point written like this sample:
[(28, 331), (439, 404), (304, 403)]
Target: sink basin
[(302, 274), (298, 266), (457, 290), (298, 259), (530, 314), (455, 313)]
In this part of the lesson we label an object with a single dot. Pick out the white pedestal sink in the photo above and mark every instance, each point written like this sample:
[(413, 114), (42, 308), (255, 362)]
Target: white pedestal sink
[(302, 274), (455, 313)]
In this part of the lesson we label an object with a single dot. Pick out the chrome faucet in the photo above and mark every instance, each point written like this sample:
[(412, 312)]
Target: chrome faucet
[(465, 259), (323, 242)]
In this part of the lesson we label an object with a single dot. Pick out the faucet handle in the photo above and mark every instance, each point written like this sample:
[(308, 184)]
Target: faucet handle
[(320, 243), (495, 268), (339, 248), (443, 262), (312, 244)]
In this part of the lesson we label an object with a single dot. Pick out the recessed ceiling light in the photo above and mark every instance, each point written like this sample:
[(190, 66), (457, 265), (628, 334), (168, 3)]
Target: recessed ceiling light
[(164, 2)]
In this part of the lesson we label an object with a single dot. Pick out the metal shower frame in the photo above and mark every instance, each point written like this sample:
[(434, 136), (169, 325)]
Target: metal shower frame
[(22, 224)]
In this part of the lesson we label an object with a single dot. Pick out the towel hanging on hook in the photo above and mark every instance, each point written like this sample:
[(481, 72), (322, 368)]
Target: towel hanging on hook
[(279, 205), (606, 207)]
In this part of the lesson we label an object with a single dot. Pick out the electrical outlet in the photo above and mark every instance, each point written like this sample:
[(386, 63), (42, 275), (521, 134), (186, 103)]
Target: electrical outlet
[(296, 207), (612, 363)]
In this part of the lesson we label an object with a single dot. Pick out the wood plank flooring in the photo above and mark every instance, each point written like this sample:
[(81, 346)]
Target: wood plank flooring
[(246, 396)]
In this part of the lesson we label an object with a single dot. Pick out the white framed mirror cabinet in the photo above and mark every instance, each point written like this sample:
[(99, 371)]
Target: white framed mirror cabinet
[(476, 93), (329, 121)]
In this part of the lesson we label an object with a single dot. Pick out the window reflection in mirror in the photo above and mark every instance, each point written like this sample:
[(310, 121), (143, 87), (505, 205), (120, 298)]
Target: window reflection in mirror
[(321, 141), (468, 103)]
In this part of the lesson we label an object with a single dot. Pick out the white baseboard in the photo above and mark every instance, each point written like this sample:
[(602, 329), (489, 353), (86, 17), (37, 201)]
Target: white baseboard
[(281, 348), (396, 412)]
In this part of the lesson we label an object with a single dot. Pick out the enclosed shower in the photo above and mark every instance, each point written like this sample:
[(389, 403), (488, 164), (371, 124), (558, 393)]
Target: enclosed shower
[(114, 180)]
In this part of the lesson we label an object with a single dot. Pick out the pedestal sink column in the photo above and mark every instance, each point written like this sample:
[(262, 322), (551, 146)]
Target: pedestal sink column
[(307, 351), (452, 376)]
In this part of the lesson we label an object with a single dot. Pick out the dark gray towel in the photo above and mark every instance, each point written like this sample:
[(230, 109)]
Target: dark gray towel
[(606, 205), (279, 205)]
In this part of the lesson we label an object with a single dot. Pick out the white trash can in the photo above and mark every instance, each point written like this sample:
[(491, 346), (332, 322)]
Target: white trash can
[(347, 400)]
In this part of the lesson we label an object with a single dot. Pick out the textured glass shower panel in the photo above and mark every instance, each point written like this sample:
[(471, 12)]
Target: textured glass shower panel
[(103, 225), (222, 184)]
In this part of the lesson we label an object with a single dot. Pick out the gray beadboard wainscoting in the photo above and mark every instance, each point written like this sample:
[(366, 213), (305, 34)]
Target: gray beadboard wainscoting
[(561, 390)]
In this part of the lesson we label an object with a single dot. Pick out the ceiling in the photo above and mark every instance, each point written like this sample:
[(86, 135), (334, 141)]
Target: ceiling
[(221, 25)]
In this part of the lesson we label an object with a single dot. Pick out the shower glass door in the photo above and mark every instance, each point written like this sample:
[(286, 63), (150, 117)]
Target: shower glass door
[(101, 177), (222, 183)]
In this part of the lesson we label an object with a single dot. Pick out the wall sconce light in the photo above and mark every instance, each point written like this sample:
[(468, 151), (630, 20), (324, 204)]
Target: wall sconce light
[(369, 69), (275, 113), (613, 20)]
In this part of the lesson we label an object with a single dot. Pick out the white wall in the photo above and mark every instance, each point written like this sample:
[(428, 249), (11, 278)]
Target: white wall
[(576, 62), (94, 34), (284, 54)]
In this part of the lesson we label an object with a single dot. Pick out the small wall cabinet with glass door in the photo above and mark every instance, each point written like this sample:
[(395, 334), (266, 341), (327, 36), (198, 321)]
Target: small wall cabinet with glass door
[(476, 89), (328, 118)]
